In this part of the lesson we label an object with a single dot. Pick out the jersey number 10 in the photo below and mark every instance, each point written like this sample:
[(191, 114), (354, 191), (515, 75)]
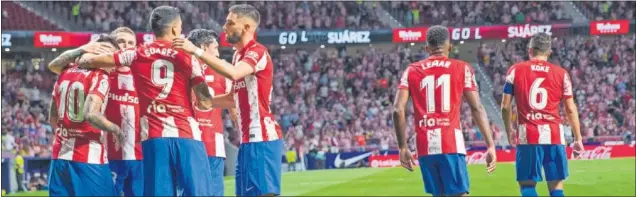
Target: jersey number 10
[(67, 100), (431, 84)]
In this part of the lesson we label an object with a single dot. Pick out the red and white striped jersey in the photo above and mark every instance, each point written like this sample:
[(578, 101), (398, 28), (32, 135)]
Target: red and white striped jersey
[(437, 85), (75, 139), (253, 94), (538, 88), (123, 110), (163, 79), (210, 121)]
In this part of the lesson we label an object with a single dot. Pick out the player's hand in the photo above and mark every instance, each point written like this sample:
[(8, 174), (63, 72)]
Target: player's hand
[(184, 44), (577, 148), (406, 159), (512, 138), (120, 138), (97, 48), (491, 160)]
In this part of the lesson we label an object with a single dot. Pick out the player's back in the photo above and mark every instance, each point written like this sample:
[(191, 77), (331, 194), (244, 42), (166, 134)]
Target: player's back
[(163, 79), (210, 121), (538, 88), (75, 139), (123, 110), (436, 85)]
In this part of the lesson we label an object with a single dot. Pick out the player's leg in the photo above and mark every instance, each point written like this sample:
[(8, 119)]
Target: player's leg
[(193, 167), (259, 169), (217, 165), (59, 179), (429, 166), (158, 170), (134, 182), (119, 172), (528, 168), (454, 174), (555, 165), (93, 179), (239, 178)]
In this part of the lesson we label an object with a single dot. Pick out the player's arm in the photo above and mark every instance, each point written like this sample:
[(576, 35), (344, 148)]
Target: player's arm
[(506, 113), (240, 70), (399, 116), (571, 111), (205, 100), (506, 104), (93, 114), (53, 113), (94, 102), (60, 62), (479, 116), (572, 114)]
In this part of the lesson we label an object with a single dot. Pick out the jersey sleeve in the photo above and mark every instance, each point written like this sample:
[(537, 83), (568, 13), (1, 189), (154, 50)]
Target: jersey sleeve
[(125, 57), (510, 81), (256, 57), (196, 75), (567, 86), (404, 80), (99, 85), (469, 79)]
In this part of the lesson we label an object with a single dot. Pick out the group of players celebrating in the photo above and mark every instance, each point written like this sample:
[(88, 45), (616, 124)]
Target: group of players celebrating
[(437, 85), (160, 105)]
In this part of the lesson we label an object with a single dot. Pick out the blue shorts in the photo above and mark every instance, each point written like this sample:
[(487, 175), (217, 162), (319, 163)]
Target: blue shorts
[(531, 158), (175, 167), (128, 176), (258, 168), (69, 178), (444, 174), (217, 167)]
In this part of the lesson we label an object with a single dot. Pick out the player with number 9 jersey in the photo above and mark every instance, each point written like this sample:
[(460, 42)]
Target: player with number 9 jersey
[(79, 155), (171, 137)]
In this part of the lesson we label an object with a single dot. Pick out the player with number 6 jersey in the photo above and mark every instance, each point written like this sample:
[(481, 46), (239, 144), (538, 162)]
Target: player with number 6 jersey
[(437, 85), (538, 88)]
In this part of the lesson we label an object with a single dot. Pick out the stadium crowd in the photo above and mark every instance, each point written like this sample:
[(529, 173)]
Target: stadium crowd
[(414, 13), (107, 15), (601, 70), (607, 10), (25, 101)]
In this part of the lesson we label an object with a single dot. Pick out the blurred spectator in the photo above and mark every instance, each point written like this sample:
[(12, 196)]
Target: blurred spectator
[(105, 16), (607, 10), (460, 13)]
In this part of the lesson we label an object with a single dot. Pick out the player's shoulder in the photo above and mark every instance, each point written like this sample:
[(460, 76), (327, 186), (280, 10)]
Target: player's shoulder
[(556, 68)]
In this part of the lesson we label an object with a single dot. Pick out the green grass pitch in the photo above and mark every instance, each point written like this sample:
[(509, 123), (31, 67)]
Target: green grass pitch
[(615, 177)]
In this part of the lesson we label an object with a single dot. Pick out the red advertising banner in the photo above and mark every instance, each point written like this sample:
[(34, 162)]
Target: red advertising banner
[(479, 157), (60, 39), (418, 34), (609, 27)]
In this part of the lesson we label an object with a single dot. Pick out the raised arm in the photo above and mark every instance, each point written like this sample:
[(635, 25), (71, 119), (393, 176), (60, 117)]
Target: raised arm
[(60, 62), (240, 70), (98, 61)]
